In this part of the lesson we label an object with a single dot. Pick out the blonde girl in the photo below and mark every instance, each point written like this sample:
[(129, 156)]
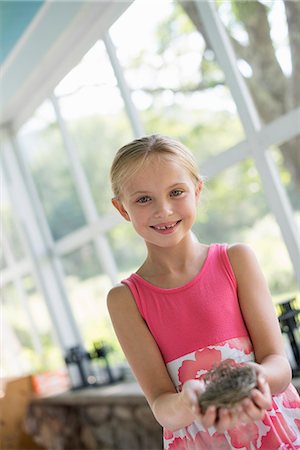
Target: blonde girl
[(190, 306)]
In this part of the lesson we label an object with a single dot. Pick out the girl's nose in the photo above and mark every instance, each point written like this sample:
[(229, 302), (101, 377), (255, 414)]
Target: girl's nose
[(163, 209)]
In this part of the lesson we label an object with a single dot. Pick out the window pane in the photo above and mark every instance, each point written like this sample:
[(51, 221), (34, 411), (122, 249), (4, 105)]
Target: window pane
[(17, 335), (288, 162), (12, 361), (177, 85), (43, 150), (93, 109), (50, 357), (263, 40), (87, 288), (122, 238), (2, 260), (228, 214), (28, 333), (82, 263), (10, 231)]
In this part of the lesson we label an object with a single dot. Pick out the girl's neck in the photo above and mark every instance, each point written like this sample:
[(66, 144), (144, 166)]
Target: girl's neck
[(171, 260)]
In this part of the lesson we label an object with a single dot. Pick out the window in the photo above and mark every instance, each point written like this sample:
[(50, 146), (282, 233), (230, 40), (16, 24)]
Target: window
[(44, 152)]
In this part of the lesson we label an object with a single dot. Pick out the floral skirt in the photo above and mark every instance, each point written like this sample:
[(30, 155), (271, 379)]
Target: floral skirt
[(279, 429)]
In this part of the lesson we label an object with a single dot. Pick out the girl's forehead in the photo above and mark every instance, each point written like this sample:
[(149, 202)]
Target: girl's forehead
[(153, 171), (163, 165), (158, 162)]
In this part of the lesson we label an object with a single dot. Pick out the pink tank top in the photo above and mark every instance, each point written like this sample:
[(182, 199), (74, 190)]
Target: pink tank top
[(202, 312)]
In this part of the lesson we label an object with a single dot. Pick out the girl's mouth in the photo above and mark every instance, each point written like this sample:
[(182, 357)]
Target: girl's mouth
[(165, 228)]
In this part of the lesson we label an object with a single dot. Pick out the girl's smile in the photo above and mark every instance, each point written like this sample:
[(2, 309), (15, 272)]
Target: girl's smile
[(166, 228)]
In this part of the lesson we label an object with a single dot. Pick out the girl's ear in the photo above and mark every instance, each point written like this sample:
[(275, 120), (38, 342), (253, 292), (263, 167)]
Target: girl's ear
[(198, 189), (119, 206)]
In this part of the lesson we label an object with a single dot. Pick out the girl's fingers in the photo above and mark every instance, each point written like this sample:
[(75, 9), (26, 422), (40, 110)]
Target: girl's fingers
[(224, 419), (260, 400), (223, 422), (208, 419), (252, 411), (241, 416), (262, 395), (227, 418), (244, 419), (264, 388)]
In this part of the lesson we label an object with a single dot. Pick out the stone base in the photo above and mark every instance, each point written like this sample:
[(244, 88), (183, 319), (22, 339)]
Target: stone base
[(112, 418)]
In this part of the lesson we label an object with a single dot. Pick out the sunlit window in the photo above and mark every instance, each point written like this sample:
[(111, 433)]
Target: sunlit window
[(93, 109), (42, 147), (175, 86)]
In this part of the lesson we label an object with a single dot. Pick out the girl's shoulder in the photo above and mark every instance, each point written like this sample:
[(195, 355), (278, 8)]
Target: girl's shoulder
[(122, 308), (119, 296), (118, 291), (242, 259), (240, 251)]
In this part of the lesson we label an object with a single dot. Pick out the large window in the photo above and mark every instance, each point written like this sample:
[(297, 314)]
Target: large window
[(43, 150), (161, 77)]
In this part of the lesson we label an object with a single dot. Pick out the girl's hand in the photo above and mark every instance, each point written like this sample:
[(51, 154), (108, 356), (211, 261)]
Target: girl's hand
[(222, 419), (248, 410), (254, 407), (191, 391)]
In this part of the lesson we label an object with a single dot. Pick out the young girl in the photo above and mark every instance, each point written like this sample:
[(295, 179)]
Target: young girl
[(190, 306)]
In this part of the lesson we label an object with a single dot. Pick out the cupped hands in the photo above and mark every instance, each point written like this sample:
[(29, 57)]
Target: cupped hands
[(247, 410)]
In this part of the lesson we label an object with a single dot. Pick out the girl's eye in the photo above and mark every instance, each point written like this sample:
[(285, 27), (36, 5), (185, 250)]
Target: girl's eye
[(143, 199), (176, 193)]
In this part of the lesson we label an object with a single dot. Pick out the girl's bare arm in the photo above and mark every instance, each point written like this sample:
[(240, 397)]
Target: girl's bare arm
[(260, 317), (145, 359)]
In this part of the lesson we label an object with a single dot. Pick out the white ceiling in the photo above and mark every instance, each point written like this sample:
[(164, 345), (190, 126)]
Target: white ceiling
[(59, 34)]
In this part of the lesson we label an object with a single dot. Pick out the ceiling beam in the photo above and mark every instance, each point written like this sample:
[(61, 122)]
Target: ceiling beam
[(61, 33)]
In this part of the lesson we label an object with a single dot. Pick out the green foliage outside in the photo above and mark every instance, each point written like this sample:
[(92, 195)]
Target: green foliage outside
[(232, 207)]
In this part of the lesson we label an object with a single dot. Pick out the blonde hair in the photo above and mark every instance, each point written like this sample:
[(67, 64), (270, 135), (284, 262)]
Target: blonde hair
[(130, 158)]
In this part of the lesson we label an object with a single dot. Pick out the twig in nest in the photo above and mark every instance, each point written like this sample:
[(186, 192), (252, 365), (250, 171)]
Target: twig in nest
[(226, 385)]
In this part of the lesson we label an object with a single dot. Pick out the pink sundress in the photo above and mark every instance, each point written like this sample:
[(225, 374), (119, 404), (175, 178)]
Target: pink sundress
[(198, 325)]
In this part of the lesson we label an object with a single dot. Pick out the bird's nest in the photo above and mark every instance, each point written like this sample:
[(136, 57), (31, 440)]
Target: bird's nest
[(227, 384)]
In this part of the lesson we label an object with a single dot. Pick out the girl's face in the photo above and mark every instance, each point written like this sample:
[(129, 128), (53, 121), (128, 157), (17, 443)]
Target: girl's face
[(160, 200)]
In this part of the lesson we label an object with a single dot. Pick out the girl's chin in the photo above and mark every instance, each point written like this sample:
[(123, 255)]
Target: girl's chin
[(165, 241)]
